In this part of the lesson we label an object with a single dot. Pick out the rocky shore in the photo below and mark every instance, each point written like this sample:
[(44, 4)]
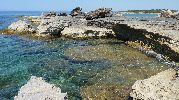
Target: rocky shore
[(38, 89), (157, 34), (163, 86), (157, 37)]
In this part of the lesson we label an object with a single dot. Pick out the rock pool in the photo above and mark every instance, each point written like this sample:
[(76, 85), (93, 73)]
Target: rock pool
[(95, 68)]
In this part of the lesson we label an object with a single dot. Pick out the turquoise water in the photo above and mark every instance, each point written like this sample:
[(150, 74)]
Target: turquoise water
[(21, 58), (141, 15), (7, 17), (79, 67)]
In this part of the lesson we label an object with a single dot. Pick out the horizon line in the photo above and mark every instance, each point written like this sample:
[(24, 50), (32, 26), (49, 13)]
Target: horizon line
[(70, 11)]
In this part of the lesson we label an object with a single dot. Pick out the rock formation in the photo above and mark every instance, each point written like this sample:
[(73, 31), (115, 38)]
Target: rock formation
[(99, 13), (62, 14), (51, 26), (163, 86), (169, 14), (86, 32), (76, 11), (21, 26), (38, 89), (49, 14)]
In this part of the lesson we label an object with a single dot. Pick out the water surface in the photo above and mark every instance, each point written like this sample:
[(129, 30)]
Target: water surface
[(141, 15)]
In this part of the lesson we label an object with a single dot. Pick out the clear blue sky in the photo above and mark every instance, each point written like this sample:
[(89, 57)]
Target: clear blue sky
[(67, 5)]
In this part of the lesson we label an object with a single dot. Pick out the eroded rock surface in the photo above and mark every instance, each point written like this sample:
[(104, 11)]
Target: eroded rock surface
[(21, 26), (169, 14), (163, 86), (82, 32), (76, 11), (51, 26), (99, 13), (38, 89)]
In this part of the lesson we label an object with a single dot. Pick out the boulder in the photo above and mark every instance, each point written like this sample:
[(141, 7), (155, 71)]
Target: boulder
[(21, 26), (99, 13), (163, 86), (51, 26), (76, 11), (38, 89)]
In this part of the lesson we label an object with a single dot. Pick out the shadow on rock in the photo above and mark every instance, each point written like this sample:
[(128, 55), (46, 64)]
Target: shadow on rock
[(155, 41)]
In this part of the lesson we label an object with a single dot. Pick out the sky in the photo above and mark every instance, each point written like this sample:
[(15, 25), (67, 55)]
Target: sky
[(87, 5)]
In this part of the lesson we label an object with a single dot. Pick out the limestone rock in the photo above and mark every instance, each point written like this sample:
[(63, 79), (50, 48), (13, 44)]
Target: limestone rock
[(21, 26), (38, 89), (163, 86), (169, 14), (76, 11), (152, 53), (49, 14), (83, 32), (99, 13), (62, 14), (51, 26)]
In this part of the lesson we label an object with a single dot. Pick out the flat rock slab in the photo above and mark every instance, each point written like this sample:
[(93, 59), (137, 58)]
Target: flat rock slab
[(38, 89), (163, 86), (84, 31), (21, 26)]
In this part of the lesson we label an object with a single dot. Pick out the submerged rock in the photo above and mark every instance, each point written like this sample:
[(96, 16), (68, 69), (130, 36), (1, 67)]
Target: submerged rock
[(152, 53), (163, 86), (38, 89), (21, 26)]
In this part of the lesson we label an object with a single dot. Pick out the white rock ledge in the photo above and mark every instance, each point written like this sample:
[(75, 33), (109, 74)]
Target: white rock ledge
[(21, 26), (86, 31), (38, 89), (163, 86)]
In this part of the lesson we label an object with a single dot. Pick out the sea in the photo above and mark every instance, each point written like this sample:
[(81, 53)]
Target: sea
[(91, 68)]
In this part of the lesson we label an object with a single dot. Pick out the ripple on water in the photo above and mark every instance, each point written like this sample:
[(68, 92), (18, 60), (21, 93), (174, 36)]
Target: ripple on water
[(99, 69)]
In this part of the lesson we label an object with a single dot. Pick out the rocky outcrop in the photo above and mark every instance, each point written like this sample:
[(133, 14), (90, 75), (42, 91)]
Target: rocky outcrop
[(76, 11), (99, 13), (164, 42), (48, 14), (163, 86), (169, 14), (166, 14), (21, 26), (86, 32), (62, 14), (38, 89), (51, 26), (177, 15)]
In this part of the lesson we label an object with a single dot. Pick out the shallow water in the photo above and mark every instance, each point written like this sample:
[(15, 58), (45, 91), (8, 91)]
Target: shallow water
[(73, 65), (95, 68)]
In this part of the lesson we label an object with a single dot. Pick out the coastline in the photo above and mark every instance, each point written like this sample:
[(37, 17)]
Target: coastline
[(111, 23)]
